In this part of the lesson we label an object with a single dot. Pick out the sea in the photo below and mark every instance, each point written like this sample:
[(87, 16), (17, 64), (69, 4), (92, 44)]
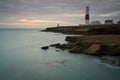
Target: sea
[(21, 58)]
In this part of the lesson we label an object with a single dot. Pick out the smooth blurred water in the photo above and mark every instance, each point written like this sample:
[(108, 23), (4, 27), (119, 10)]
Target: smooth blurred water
[(21, 58)]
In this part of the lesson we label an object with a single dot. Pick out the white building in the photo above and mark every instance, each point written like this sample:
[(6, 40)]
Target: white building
[(95, 23)]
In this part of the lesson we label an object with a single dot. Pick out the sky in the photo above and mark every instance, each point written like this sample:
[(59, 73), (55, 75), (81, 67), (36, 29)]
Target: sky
[(47, 13)]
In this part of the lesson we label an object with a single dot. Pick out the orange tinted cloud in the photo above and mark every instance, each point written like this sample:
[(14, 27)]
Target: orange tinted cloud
[(38, 21)]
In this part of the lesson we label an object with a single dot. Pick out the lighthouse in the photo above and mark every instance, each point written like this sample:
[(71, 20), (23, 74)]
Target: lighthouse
[(87, 16)]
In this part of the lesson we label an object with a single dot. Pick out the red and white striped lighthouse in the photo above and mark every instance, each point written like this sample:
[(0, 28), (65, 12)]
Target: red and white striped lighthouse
[(87, 16)]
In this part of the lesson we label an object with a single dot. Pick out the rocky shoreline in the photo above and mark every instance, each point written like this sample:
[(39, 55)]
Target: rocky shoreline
[(92, 45), (93, 42), (96, 40)]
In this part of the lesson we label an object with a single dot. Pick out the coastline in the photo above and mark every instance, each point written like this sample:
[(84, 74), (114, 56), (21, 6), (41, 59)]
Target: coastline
[(98, 40)]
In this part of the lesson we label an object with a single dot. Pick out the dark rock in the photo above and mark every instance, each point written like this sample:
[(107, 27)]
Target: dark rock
[(111, 60), (61, 47), (64, 46), (72, 38), (54, 45), (110, 50), (57, 50), (45, 47), (76, 49)]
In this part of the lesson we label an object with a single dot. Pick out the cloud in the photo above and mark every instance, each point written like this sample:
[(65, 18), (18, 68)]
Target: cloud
[(72, 15), (38, 21), (115, 13), (50, 12)]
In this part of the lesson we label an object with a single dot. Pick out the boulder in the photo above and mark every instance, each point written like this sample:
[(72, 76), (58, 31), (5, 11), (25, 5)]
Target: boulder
[(92, 49), (45, 47)]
